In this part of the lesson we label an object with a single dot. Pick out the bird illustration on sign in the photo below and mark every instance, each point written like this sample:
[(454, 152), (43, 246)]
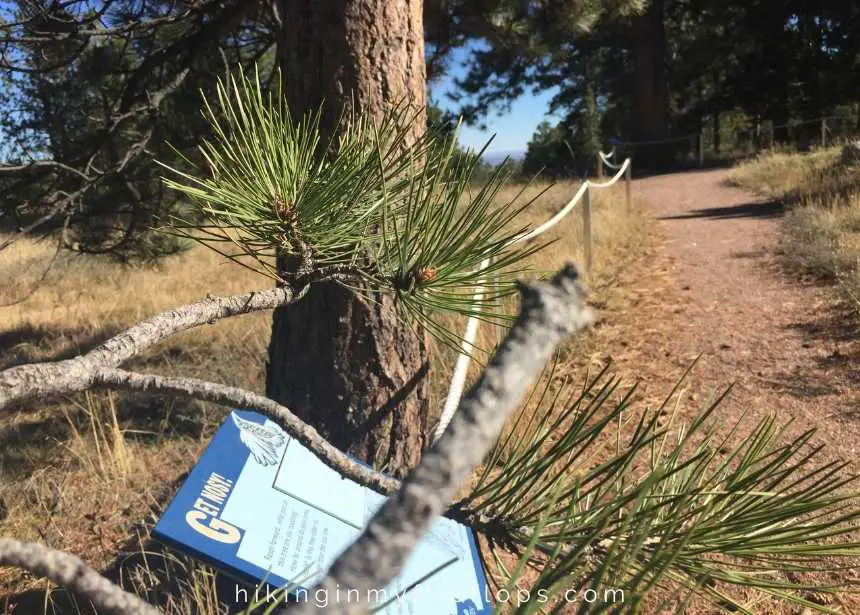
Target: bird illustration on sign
[(263, 441)]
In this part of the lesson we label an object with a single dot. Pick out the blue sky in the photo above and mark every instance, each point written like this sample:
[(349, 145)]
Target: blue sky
[(513, 129)]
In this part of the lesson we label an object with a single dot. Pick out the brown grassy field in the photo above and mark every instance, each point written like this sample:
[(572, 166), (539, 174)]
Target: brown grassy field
[(822, 224), (90, 473)]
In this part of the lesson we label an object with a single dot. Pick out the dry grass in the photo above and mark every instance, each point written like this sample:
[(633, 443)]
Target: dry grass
[(786, 175), (89, 473), (83, 300), (822, 224), (101, 450)]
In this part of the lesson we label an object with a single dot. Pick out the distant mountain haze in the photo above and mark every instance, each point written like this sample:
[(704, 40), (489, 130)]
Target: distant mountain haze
[(497, 157)]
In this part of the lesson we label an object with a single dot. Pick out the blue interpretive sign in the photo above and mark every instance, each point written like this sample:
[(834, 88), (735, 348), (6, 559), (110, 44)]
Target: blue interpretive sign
[(262, 508)]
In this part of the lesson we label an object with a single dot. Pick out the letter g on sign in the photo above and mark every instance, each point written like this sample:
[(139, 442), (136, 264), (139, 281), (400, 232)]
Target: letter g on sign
[(214, 529)]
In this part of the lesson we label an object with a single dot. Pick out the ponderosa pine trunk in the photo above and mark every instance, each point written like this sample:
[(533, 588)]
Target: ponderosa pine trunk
[(650, 86), (346, 365)]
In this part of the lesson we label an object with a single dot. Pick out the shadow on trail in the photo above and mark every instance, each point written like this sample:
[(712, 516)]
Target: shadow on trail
[(767, 209), (836, 368)]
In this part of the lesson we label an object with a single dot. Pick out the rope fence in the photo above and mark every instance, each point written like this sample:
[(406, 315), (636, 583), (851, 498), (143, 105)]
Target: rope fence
[(762, 135), (467, 345), (583, 194)]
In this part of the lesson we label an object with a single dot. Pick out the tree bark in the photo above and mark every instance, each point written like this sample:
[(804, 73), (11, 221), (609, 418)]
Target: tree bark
[(650, 85), (345, 365)]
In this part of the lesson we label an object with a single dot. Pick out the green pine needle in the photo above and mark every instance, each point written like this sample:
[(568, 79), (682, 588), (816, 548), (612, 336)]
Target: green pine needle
[(595, 494), (406, 216)]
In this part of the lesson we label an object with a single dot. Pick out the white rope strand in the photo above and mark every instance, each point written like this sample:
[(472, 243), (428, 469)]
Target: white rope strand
[(555, 219), (458, 378), (614, 180), (605, 158)]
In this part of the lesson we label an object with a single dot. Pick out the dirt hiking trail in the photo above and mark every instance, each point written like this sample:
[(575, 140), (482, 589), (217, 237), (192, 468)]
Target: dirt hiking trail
[(712, 284)]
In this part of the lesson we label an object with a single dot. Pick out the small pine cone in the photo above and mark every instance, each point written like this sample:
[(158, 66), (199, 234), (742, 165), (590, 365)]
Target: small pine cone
[(283, 209), (427, 274)]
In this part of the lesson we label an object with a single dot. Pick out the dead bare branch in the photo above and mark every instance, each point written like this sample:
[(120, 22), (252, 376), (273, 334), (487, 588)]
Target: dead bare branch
[(78, 374), (17, 168), (73, 574), (240, 398), (68, 181)]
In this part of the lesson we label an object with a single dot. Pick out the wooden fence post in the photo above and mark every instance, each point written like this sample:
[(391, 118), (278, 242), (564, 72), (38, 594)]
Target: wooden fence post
[(824, 132), (628, 181), (757, 133), (586, 228)]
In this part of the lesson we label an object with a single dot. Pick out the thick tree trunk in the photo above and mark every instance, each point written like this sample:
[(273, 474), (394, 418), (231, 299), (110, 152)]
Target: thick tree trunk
[(348, 366), (650, 86)]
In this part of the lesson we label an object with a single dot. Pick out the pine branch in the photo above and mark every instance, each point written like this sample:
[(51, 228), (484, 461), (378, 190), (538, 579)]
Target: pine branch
[(239, 398), (72, 573), (550, 311), (78, 374), (407, 208)]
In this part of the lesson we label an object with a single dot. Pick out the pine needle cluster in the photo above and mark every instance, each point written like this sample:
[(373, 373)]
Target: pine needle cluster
[(594, 493), (401, 213)]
